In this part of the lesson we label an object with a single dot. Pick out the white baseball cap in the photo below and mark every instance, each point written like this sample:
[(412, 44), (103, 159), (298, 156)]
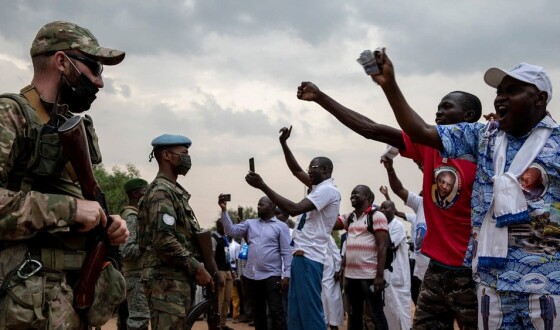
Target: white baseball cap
[(528, 73)]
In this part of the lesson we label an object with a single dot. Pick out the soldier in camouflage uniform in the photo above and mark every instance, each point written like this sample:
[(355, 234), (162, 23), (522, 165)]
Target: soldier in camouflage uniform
[(138, 311), (166, 232), (44, 220)]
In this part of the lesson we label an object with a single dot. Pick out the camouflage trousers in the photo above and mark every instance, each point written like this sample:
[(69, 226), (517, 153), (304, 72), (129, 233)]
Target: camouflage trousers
[(446, 295), (169, 301), (138, 309), (43, 301)]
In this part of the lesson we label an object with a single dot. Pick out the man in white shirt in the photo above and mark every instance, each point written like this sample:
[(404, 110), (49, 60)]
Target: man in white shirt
[(415, 202), (310, 240), (397, 297)]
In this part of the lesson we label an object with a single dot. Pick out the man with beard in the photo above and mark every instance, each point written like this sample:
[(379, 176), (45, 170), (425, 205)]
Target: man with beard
[(167, 230), (310, 240), (268, 261), (45, 222)]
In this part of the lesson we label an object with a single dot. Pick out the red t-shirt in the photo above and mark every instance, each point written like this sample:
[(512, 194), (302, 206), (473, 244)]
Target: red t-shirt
[(447, 189)]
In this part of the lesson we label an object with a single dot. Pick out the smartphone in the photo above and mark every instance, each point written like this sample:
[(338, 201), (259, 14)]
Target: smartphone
[(252, 164), (226, 197)]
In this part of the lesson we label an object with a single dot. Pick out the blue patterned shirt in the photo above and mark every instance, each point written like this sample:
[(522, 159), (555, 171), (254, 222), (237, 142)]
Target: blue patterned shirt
[(533, 259)]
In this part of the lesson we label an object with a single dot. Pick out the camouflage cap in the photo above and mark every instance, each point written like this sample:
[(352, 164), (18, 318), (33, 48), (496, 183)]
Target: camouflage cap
[(60, 35), (135, 183)]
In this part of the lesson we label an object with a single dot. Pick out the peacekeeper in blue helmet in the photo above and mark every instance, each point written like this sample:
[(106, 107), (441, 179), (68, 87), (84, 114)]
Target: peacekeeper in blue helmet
[(166, 232)]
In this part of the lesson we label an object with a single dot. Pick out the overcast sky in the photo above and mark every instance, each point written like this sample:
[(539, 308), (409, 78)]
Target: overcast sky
[(225, 74)]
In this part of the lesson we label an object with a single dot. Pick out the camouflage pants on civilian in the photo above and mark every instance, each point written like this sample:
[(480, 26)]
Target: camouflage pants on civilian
[(169, 301), (138, 310), (446, 295)]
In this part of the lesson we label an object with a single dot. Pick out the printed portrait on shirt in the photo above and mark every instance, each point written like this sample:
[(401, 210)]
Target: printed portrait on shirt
[(420, 233), (446, 186), (534, 182)]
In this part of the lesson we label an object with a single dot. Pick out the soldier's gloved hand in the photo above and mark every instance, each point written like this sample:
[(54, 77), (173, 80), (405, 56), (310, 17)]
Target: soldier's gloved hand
[(117, 231), (89, 214)]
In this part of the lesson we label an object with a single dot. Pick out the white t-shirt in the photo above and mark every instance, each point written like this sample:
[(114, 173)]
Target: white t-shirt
[(414, 201), (401, 266), (314, 237), (361, 250)]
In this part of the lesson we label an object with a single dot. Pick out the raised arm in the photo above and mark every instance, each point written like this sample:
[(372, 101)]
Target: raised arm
[(385, 192), (410, 122), (285, 204), (394, 182), (235, 230), (293, 165), (357, 122)]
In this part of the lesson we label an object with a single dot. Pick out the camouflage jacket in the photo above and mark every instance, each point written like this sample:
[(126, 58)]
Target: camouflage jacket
[(166, 231), (130, 251), (23, 214)]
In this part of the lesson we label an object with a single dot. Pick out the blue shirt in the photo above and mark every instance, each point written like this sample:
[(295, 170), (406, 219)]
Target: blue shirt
[(269, 246), (533, 258)]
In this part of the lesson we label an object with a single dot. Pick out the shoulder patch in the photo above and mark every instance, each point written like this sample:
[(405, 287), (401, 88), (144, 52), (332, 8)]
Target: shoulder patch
[(168, 220)]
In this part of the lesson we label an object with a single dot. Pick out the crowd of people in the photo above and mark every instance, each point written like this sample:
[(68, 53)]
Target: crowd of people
[(485, 227)]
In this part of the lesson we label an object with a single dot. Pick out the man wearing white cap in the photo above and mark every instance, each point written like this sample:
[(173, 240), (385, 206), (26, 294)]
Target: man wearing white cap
[(517, 256)]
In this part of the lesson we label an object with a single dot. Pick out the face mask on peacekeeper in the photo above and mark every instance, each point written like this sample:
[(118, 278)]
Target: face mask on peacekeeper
[(80, 96), (185, 164)]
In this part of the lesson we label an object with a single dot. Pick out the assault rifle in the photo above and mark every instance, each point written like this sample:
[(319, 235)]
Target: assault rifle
[(74, 142), (210, 304)]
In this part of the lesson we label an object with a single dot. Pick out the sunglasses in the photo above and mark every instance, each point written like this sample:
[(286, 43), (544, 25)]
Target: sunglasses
[(95, 66)]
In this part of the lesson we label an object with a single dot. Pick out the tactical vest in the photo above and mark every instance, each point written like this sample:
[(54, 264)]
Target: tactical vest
[(40, 164), (184, 228)]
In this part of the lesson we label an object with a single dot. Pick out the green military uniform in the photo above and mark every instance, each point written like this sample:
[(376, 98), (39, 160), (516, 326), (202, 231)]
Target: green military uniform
[(138, 310), (166, 229), (38, 201)]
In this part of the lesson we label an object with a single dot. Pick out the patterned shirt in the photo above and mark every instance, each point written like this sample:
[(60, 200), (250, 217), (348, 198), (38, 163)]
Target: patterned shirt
[(166, 229), (130, 252), (533, 258), (361, 249), (22, 214)]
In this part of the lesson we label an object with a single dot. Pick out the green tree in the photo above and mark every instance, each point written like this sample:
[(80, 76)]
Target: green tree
[(112, 184)]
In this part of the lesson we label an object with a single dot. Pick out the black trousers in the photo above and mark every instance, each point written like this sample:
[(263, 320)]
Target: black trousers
[(358, 292), (267, 292)]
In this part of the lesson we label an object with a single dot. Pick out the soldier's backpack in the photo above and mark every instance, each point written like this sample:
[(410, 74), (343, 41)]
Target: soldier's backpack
[(391, 250)]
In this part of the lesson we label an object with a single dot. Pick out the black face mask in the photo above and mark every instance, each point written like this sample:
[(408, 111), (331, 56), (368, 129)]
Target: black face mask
[(80, 96)]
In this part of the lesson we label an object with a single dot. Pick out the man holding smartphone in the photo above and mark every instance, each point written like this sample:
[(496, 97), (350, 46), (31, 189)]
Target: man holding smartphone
[(268, 262), (310, 239)]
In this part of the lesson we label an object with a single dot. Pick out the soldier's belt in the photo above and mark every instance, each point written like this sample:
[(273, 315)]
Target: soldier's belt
[(59, 259)]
